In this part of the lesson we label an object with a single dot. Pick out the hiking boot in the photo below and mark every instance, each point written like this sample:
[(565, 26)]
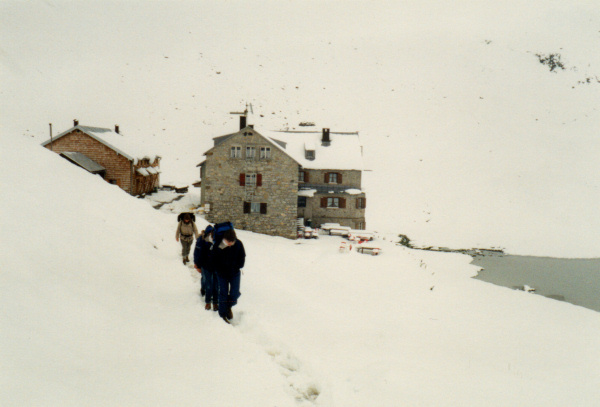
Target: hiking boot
[(185, 260), (215, 307), (229, 314), (207, 307)]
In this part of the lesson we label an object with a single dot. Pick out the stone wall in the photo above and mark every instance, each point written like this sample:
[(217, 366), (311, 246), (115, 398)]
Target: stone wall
[(222, 187), (351, 215)]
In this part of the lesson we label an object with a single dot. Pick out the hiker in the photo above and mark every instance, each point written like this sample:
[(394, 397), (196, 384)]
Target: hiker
[(229, 259), (186, 231), (203, 262)]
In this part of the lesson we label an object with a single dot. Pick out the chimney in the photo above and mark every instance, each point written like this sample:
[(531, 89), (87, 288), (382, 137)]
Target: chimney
[(117, 128), (242, 122), (251, 126), (75, 122), (325, 141)]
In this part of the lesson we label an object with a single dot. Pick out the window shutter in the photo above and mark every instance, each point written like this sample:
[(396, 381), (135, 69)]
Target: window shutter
[(326, 178), (258, 180), (242, 179), (339, 178), (358, 203), (305, 176), (263, 208), (246, 207), (364, 203), (342, 202), (323, 202)]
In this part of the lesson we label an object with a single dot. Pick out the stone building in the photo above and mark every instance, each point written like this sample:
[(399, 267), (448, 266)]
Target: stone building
[(248, 179), (329, 178), (106, 152), (265, 181)]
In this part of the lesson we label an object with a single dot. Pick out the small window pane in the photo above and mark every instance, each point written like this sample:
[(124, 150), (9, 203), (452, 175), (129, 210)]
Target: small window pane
[(236, 152), (250, 179), (265, 153)]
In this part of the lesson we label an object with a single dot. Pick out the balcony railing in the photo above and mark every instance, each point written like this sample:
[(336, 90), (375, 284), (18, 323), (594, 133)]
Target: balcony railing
[(325, 189)]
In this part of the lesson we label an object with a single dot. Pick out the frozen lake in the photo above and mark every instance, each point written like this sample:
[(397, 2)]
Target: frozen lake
[(576, 281)]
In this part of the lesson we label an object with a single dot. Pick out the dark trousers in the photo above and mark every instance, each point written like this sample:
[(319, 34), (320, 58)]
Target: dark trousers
[(210, 285), (229, 292)]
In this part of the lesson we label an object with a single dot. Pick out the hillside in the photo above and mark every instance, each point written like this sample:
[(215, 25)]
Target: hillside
[(479, 119), (96, 309)]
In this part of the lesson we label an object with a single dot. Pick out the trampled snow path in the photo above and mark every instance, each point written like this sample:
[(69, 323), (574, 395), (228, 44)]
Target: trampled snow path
[(303, 387)]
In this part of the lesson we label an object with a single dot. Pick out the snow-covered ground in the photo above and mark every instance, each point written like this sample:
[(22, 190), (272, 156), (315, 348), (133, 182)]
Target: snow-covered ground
[(96, 309), (471, 142)]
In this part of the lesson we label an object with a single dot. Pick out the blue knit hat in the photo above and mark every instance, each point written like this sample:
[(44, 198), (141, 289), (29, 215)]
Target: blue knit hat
[(208, 230)]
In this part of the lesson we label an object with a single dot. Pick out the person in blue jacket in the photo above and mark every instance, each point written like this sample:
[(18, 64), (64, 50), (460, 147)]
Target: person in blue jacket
[(229, 259), (203, 262)]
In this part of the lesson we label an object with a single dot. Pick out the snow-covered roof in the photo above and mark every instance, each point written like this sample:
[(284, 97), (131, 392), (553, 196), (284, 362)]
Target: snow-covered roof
[(129, 148), (343, 153)]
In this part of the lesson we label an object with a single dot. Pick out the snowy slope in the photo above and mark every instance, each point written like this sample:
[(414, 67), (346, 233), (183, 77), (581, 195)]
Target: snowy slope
[(472, 141), (96, 309)]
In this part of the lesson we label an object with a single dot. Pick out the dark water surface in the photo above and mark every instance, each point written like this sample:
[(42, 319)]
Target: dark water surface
[(572, 280)]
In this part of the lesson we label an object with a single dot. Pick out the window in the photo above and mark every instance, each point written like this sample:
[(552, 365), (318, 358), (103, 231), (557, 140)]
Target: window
[(333, 202), (333, 178), (250, 153), (361, 203), (255, 207), (301, 202), (302, 176), (310, 155), (265, 153), (250, 179), (236, 152)]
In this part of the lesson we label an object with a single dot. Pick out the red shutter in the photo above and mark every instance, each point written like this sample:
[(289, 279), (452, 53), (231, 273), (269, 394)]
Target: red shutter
[(246, 207), (305, 176), (339, 178), (342, 202), (242, 179), (323, 202), (263, 208), (326, 178), (258, 180)]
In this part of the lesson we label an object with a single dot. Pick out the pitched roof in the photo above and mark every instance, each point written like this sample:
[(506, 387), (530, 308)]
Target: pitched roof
[(129, 148), (276, 143), (343, 153)]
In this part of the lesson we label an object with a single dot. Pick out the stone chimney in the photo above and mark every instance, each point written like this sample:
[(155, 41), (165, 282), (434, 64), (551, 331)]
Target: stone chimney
[(242, 121), (75, 122), (325, 141), (117, 128)]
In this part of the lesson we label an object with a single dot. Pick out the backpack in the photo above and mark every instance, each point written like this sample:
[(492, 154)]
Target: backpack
[(219, 229), (180, 216)]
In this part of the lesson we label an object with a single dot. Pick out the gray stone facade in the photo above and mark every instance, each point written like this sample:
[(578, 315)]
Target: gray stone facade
[(250, 181), (333, 202)]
